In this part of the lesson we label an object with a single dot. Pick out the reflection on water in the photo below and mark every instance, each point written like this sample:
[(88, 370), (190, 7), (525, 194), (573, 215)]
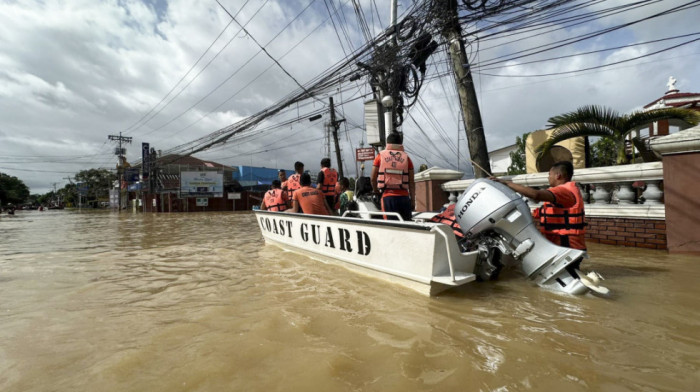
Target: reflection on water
[(181, 302)]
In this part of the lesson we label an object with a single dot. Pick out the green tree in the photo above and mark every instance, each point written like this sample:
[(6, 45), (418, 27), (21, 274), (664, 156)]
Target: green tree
[(517, 157), (603, 152), (98, 182), (600, 121), (12, 190)]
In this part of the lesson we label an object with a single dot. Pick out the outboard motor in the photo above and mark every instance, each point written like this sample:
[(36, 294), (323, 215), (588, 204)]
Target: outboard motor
[(497, 222)]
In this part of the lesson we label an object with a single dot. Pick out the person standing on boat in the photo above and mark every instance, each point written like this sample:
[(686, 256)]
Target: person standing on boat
[(392, 174), (292, 184), (326, 179), (275, 199), (310, 199), (562, 214)]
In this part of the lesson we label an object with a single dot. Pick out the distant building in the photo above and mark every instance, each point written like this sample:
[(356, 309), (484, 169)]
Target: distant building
[(673, 98), (176, 183), (500, 159)]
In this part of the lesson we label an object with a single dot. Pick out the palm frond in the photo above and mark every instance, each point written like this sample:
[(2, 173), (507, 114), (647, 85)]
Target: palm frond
[(591, 114), (640, 119), (572, 130)]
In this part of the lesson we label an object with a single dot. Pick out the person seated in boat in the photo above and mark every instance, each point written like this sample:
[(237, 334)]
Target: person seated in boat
[(326, 179), (292, 183), (309, 199), (562, 214), (447, 216), (346, 195), (275, 199), (392, 174)]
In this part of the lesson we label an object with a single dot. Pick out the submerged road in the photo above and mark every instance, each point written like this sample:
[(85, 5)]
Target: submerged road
[(181, 302)]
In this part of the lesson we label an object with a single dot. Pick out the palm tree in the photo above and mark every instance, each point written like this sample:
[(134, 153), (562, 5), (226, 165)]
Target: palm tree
[(600, 121)]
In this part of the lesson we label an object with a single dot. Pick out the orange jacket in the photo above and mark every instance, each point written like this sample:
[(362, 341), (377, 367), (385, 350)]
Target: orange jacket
[(393, 169), (292, 184), (330, 178), (448, 217), (564, 226), (275, 200)]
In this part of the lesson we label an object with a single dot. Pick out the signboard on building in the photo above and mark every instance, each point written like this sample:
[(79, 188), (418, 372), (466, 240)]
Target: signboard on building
[(201, 184), (82, 188), (202, 202), (131, 175), (364, 154), (234, 196)]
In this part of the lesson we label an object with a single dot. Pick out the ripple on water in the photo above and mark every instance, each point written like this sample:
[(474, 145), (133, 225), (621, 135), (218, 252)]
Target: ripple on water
[(107, 301)]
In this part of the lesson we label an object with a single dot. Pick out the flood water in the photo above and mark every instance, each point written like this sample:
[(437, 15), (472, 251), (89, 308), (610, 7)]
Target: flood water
[(101, 301)]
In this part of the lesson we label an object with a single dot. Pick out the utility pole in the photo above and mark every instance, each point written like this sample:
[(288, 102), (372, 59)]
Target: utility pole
[(335, 124), (471, 115), (120, 153)]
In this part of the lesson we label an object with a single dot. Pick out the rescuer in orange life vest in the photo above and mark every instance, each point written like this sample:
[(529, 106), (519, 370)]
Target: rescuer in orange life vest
[(293, 183), (275, 199), (326, 179), (311, 199), (392, 173), (561, 216), (448, 217)]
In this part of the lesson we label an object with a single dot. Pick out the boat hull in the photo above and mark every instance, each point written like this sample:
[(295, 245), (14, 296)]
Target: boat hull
[(422, 256)]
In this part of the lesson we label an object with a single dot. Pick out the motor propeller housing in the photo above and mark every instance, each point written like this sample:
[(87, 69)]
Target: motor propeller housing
[(492, 215)]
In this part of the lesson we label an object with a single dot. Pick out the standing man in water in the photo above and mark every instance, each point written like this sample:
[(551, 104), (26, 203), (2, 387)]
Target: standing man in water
[(392, 174), (562, 215)]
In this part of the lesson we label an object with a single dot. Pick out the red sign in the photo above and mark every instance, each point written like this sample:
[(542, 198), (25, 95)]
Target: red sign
[(364, 154)]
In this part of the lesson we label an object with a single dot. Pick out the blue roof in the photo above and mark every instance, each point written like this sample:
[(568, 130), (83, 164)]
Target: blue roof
[(261, 175)]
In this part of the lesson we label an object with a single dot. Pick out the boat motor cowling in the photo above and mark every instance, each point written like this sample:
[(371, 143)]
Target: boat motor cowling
[(498, 221)]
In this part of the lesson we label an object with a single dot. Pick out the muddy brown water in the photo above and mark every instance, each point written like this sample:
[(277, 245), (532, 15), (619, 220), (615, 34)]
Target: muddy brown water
[(101, 301)]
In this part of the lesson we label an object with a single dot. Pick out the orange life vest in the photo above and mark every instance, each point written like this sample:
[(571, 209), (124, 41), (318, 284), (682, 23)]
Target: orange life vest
[(566, 224), (292, 185), (330, 178), (393, 168), (448, 217), (274, 200)]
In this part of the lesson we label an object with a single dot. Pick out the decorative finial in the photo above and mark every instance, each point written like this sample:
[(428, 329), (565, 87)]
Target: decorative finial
[(671, 84)]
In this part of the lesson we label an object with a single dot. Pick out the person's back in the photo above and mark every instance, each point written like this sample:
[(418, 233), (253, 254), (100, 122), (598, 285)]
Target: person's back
[(392, 174), (309, 199), (275, 199), (327, 179), (293, 182)]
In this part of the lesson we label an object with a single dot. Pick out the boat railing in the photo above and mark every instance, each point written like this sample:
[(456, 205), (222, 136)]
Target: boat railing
[(373, 213)]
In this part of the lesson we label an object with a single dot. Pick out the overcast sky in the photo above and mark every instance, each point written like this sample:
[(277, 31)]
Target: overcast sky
[(74, 72)]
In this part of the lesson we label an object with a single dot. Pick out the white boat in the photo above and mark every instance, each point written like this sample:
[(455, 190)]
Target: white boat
[(426, 256), (423, 256)]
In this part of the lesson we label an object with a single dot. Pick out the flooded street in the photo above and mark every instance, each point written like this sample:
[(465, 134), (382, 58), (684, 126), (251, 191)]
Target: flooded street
[(102, 301)]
